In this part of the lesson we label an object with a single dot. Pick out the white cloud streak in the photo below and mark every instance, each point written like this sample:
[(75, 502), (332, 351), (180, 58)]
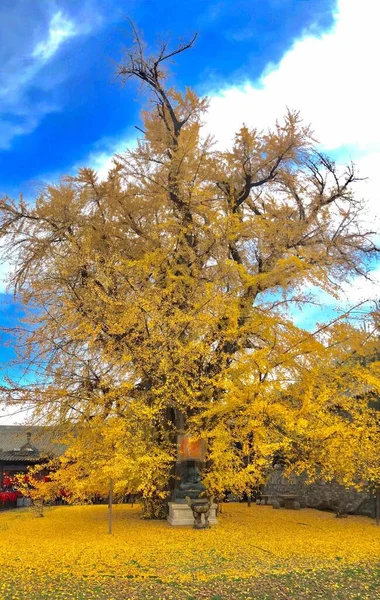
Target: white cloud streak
[(60, 30), (26, 55)]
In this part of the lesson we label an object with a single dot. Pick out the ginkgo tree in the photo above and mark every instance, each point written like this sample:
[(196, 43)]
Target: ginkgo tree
[(159, 301)]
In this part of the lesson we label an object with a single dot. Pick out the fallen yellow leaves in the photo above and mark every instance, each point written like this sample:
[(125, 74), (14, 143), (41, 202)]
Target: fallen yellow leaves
[(247, 542)]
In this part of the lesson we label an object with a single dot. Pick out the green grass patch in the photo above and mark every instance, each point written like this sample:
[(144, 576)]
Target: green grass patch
[(351, 583)]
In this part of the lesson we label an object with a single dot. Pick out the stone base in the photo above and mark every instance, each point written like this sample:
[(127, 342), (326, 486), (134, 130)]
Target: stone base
[(23, 502), (181, 514)]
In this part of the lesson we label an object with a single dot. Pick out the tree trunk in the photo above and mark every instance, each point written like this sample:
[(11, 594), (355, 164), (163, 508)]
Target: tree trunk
[(110, 507)]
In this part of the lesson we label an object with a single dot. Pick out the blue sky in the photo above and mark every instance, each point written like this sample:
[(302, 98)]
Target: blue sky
[(61, 107), (60, 102)]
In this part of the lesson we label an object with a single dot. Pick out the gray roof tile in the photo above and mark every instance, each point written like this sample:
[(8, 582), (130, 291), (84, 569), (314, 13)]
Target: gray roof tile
[(16, 445)]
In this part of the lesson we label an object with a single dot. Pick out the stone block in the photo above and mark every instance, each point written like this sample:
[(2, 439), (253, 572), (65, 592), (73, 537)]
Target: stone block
[(181, 514)]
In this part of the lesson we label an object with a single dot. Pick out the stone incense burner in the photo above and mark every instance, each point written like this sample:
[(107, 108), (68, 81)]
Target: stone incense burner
[(200, 506)]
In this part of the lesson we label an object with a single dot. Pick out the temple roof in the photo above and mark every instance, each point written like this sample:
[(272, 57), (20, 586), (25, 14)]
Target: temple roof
[(21, 443)]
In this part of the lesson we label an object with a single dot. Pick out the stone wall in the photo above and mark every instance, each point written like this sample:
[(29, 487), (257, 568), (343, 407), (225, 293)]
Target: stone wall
[(322, 495)]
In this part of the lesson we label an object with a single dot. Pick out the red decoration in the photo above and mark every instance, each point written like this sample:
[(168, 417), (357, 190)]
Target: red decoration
[(8, 497)]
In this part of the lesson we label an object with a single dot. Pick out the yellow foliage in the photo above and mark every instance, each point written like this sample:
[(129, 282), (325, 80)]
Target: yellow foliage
[(248, 542), (159, 301)]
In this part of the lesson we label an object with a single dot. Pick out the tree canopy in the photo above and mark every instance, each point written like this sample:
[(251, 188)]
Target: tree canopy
[(159, 300)]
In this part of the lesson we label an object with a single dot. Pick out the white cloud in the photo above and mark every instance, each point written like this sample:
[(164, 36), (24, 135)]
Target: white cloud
[(358, 295), (60, 29), (14, 415), (102, 159), (19, 117), (362, 288), (331, 79), (102, 162), (32, 37)]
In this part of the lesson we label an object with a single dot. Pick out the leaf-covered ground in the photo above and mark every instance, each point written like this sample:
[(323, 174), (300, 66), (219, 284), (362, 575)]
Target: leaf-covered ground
[(254, 552)]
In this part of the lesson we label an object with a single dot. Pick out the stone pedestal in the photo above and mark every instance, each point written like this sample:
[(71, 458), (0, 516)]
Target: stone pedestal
[(181, 514)]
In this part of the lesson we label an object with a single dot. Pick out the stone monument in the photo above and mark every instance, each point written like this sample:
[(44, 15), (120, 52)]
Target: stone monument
[(190, 484), (190, 457)]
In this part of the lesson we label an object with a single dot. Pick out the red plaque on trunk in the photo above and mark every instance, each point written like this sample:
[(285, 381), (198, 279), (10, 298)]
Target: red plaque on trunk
[(190, 448)]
